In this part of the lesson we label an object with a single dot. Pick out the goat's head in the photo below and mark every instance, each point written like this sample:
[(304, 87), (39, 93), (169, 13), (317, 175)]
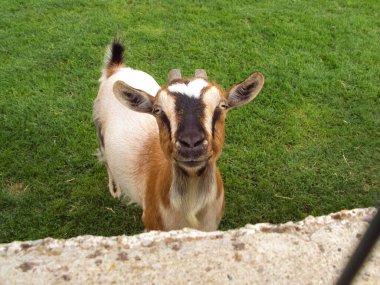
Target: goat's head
[(190, 114)]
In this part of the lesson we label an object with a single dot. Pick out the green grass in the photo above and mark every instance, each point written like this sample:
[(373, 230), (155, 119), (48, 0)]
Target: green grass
[(308, 145)]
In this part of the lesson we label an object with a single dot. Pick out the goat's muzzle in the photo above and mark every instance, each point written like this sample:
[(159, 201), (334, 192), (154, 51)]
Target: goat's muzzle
[(192, 152)]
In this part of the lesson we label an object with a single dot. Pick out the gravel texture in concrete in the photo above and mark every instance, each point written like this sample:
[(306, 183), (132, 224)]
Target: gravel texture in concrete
[(312, 251)]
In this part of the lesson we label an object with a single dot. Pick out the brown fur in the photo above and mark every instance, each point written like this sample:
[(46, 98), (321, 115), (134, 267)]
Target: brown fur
[(220, 192), (218, 141), (165, 141), (158, 171), (113, 68)]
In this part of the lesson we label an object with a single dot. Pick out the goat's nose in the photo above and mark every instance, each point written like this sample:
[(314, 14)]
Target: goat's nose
[(191, 139)]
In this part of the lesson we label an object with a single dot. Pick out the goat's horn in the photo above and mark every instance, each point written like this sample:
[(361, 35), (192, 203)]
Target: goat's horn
[(201, 73), (174, 74)]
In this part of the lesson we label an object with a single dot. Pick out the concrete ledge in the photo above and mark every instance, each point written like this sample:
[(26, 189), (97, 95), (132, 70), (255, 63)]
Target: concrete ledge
[(312, 251)]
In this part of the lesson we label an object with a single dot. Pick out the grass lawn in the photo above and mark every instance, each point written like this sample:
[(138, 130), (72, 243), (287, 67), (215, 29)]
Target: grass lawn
[(308, 145)]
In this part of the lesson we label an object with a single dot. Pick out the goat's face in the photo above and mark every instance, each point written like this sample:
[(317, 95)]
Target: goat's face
[(190, 114)]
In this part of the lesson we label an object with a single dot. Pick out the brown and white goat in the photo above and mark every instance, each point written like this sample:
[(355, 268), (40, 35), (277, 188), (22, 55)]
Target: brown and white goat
[(160, 144)]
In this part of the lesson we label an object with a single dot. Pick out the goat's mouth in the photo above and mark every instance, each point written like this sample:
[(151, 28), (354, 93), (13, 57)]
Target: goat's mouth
[(192, 163)]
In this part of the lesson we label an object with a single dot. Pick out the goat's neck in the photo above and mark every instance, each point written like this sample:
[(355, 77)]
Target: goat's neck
[(191, 193)]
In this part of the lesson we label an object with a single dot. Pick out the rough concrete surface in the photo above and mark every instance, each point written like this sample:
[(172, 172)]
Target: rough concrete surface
[(313, 251)]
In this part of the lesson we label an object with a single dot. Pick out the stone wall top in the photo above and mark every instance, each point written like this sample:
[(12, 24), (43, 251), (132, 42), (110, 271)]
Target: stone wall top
[(312, 251)]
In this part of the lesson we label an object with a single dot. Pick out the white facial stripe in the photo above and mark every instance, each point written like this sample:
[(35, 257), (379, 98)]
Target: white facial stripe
[(178, 88), (211, 100), (163, 98), (192, 89), (167, 104)]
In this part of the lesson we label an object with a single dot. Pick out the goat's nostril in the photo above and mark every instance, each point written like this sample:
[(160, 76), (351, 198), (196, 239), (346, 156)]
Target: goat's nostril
[(184, 143), (191, 141), (198, 143)]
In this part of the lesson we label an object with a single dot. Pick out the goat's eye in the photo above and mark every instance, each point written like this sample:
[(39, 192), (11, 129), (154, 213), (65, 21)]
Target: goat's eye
[(156, 110), (223, 105)]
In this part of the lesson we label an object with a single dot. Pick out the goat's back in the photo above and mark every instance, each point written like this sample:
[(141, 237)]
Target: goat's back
[(124, 132)]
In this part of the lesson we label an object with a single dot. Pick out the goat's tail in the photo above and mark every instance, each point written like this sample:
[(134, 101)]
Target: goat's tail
[(113, 59)]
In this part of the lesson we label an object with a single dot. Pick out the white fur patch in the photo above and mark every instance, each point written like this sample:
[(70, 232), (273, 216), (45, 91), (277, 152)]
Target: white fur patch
[(126, 130), (211, 100), (192, 89), (167, 104), (212, 97), (197, 196)]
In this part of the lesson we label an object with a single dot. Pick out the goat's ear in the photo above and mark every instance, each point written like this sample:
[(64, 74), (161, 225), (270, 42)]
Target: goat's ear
[(134, 99), (245, 91)]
